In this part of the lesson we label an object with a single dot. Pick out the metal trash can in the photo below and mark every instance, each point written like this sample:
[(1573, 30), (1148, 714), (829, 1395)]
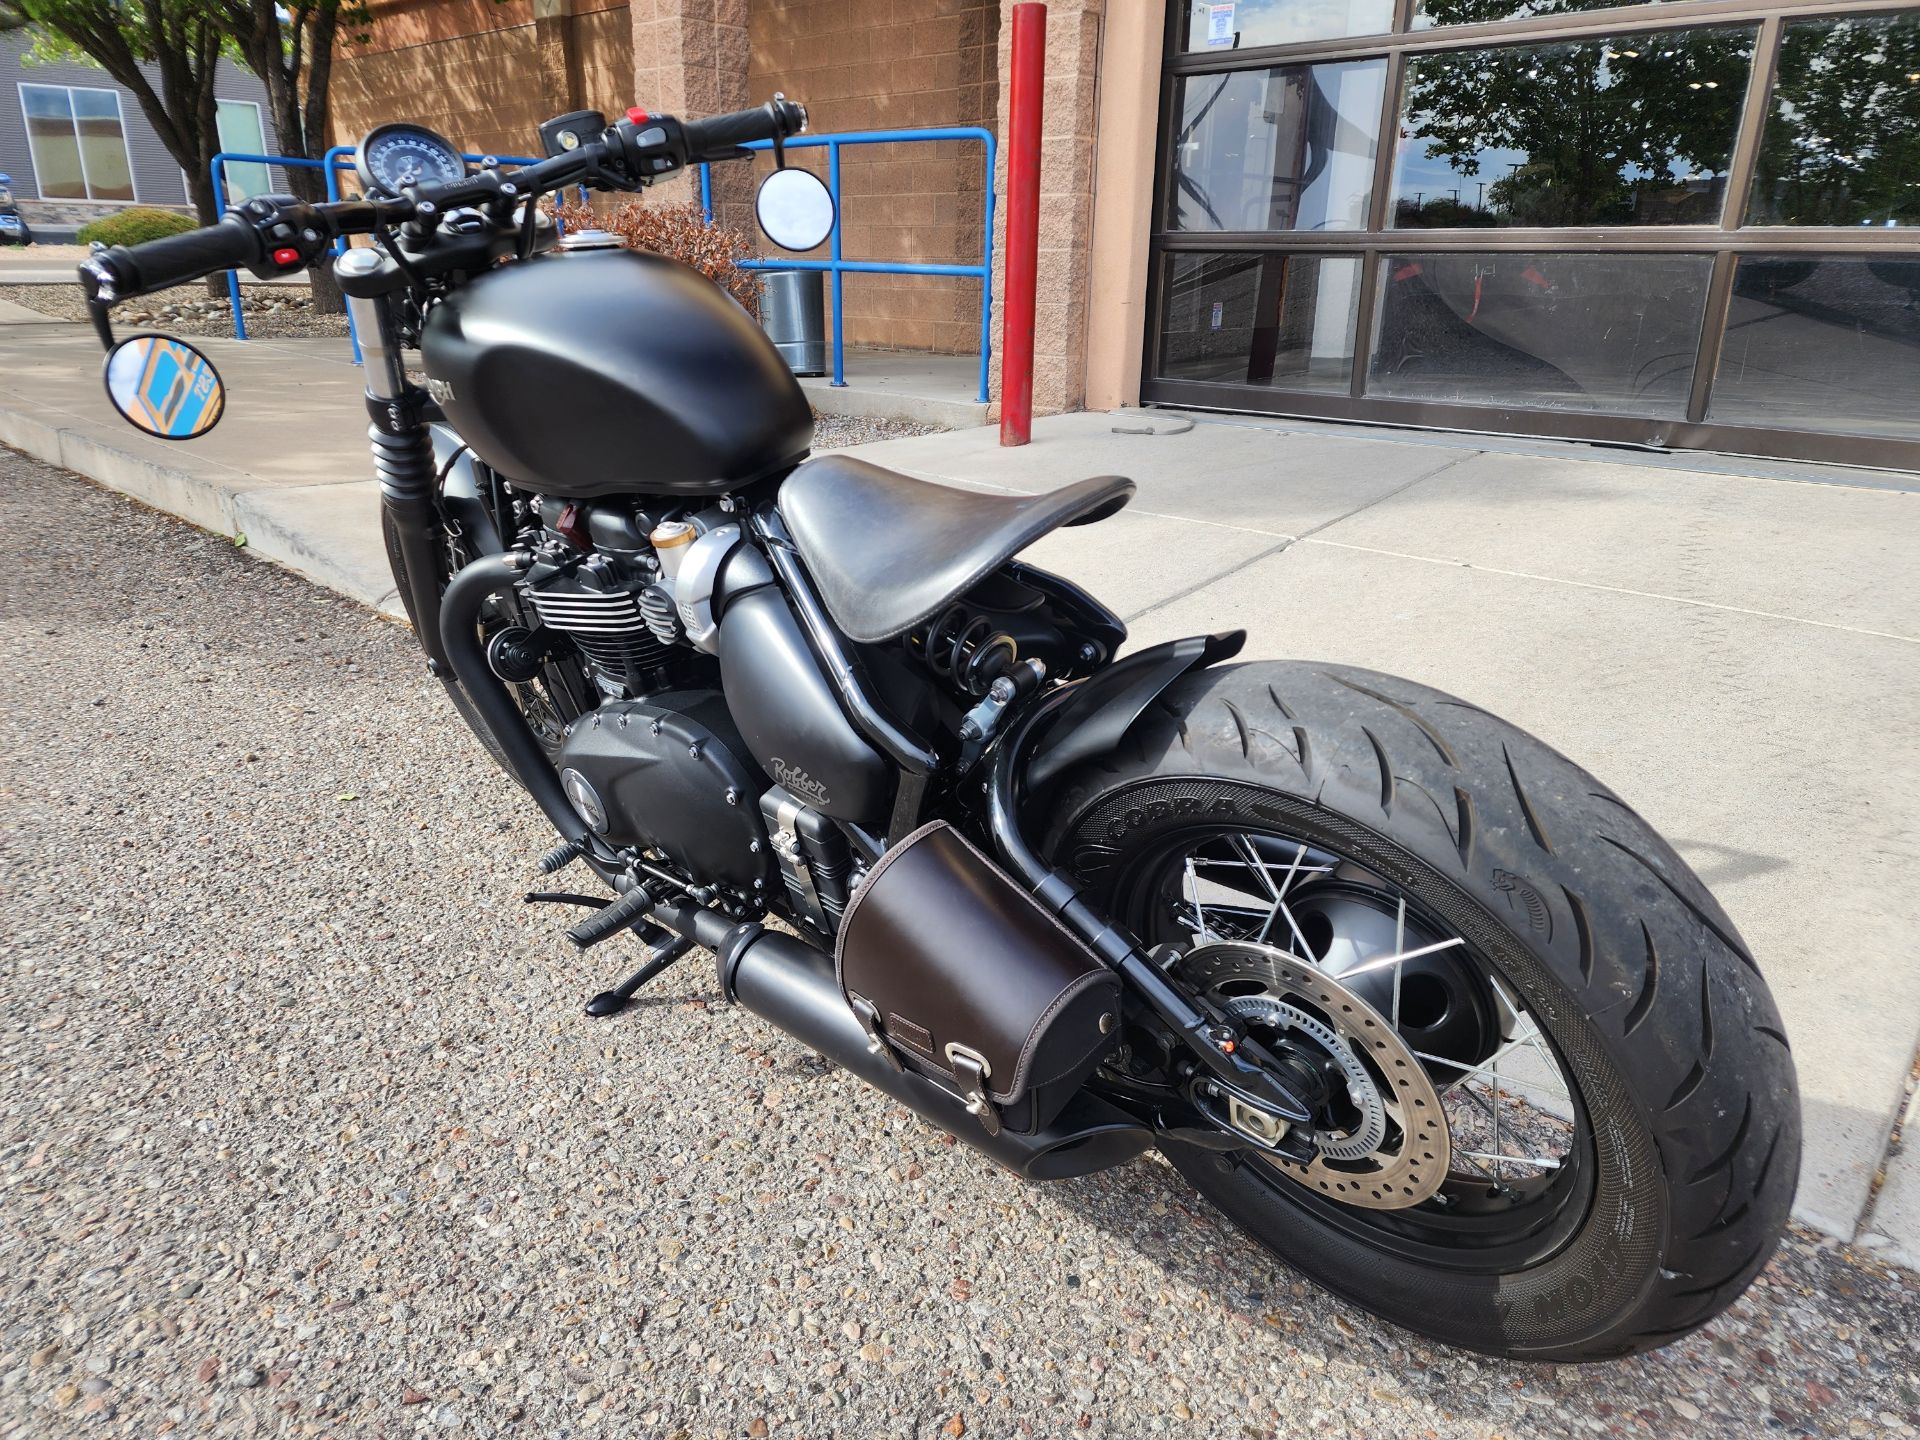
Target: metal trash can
[(793, 312)]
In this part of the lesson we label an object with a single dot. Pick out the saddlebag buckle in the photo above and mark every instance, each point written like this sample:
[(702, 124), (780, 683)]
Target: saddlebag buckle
[(869, 1018), (971, 1070)]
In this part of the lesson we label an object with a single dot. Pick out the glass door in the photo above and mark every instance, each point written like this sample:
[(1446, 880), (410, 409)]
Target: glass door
[(1676, 224)]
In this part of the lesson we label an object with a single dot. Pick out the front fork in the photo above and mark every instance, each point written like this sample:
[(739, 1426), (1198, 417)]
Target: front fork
[(403, 463)]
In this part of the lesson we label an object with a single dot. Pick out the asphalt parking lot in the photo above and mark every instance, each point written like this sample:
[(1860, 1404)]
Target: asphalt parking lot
[(302, 1130)]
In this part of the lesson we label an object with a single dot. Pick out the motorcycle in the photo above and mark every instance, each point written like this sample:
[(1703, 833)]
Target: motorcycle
[(1426, 1009)]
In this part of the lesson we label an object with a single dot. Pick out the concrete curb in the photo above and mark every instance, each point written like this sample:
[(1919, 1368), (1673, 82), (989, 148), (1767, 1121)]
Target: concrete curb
[(871, 402), (275, 523)]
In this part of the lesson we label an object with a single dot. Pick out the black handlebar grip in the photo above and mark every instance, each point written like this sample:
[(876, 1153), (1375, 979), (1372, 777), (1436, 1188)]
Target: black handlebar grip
[(176, 259), (718, 135)]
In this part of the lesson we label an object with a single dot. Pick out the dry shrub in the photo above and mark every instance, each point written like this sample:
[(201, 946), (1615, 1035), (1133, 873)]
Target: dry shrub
[(681, 233)]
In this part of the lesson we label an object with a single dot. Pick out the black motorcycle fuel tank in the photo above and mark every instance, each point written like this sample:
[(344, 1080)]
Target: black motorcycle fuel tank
[(611, 372)]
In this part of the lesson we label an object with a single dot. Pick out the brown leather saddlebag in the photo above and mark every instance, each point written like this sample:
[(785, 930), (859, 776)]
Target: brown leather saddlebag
[(957, 973)]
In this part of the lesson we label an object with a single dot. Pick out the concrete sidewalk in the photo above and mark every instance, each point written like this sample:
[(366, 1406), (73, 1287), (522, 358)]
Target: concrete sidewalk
[(1733, 645)]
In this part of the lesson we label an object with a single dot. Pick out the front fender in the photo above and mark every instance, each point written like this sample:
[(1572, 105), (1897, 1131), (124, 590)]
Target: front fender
[(461, 496), (1103, 709)]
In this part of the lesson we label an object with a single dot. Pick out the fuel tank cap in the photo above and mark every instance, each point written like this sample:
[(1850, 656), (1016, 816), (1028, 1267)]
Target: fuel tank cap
[(589, 240)]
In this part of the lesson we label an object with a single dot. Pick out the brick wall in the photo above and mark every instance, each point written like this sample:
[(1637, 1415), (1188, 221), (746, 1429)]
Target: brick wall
[(892, 64), (475, 70)]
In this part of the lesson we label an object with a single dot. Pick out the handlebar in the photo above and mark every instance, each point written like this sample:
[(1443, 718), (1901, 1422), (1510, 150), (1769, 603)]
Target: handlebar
[(721, 136), (277, 235), (178, 259)]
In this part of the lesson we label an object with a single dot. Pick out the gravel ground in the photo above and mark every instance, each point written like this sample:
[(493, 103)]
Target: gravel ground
[(274, 312), (837, 432), (302, 1131)]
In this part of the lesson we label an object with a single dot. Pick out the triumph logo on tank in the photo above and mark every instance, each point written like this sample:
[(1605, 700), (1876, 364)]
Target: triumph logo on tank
[(799, 782)]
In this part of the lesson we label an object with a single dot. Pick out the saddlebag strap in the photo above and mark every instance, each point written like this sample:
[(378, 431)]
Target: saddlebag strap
[(970, 1068), (869, 1019)]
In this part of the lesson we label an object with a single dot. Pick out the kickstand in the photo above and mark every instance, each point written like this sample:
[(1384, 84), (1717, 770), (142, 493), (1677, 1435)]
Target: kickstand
[(662, 950)]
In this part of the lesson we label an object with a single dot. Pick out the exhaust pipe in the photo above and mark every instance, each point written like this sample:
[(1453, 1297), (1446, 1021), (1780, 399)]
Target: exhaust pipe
[(790, 983)]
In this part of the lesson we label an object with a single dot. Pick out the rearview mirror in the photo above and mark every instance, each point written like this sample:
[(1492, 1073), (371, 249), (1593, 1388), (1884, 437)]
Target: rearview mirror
[(795, 209), (164, 386)]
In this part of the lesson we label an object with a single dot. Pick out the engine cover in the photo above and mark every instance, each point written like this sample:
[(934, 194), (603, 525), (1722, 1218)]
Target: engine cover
[(670, 772)]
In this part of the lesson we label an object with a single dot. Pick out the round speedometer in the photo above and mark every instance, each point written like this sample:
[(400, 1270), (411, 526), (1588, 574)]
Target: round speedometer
[(392, 157)]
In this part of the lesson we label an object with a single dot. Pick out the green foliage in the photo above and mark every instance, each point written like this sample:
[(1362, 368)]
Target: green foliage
[(1842, 146), (135, 226)]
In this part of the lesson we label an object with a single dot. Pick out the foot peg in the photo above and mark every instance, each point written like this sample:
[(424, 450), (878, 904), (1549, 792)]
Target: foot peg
[(561, 856), (609, 922), (663, 950)]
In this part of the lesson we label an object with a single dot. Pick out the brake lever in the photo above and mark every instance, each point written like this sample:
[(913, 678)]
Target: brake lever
[(102, 293)]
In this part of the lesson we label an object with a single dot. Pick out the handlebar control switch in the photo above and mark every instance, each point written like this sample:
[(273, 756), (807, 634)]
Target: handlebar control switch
[(566, 133)]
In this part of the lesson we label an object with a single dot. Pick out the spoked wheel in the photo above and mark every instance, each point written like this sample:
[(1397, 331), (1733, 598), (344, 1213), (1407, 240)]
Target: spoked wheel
[(1453, 1128), (1561, 1120)]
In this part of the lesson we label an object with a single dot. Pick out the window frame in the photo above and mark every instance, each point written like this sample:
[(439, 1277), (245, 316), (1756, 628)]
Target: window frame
[(33, 154), (1726, 239)]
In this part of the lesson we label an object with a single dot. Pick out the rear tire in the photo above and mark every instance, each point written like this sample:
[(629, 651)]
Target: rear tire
[(1627, 964)]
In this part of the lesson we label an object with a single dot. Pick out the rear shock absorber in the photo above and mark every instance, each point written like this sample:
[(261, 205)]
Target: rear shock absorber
[(966, 647)]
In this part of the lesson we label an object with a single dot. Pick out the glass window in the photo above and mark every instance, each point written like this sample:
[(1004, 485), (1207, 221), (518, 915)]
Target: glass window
[(1252, 319), (1552, 331), (242, 133), (1212, 25), (1632, 131), (1822, 343), (55, 146), (79, 146), (1429, 13), (1289, 148), (1842, 146)]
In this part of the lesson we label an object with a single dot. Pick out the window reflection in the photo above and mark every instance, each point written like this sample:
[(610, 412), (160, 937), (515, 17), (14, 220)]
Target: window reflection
[(1546, 331), (1632, 131), (1214, 25), (1842, 146), (1290, 148), (1251, 319), (1428, 13), (1822, 343)]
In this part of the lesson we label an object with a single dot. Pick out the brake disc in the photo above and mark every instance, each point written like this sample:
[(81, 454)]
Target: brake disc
[(1398, 1162)]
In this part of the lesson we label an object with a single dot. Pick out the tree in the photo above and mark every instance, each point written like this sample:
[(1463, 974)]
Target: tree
[(1842, 146), (290, 46), (181, 39), (1630, 130)]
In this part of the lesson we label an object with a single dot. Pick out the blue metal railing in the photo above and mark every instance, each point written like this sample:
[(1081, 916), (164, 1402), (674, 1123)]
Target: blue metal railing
[(340, 157), (838, 265)]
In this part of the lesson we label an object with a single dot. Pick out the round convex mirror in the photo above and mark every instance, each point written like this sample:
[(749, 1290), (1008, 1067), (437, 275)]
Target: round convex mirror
[(164, 386), (795, 209)]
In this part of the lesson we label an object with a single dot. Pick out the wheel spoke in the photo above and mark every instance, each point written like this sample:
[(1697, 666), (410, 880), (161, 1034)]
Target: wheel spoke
[(1499, 1160), (1381, 962), (1279, 893)]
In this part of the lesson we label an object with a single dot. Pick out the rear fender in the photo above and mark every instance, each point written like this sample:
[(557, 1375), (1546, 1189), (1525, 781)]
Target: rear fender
[(1104, 708)]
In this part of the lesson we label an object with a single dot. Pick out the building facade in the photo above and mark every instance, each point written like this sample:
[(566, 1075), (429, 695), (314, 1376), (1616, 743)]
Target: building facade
[(1680, 224), (78, 147)]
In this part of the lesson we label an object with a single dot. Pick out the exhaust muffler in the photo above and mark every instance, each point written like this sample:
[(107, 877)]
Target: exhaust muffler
[(788, 982)]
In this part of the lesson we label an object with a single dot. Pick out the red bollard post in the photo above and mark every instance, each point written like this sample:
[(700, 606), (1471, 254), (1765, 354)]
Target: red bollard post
[(1025, 99)]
